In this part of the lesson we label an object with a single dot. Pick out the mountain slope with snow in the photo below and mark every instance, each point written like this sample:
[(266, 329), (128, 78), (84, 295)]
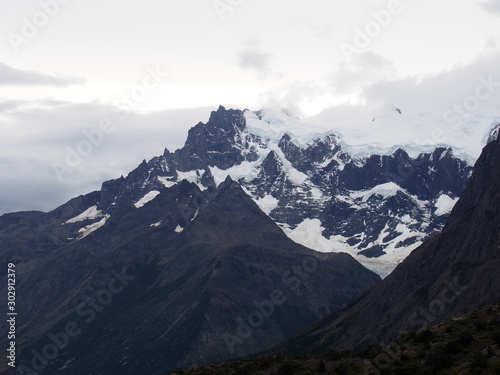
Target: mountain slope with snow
[(324, 195)]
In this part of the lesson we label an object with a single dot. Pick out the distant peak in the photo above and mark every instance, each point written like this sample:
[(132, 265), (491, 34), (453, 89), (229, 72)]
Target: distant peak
[(273, 114), (227, 182)]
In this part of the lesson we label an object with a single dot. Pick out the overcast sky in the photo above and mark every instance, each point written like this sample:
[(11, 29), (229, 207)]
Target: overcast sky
[(147, 71)]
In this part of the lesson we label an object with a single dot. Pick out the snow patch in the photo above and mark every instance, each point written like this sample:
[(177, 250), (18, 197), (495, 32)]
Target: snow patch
[(167, 182), (179, 229), (89, 213), (147, 198), (386, 190), (309, 233), (294, 175), (316, 193), (246, 170), (192, 176), (444, 205), (85, 231), (267, 203)]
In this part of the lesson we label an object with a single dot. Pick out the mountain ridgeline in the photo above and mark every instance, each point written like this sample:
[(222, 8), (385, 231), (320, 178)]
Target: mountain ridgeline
[(189, 259)]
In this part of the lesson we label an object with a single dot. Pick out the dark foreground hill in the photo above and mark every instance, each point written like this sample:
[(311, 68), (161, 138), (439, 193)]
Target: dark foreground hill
[(191, 277), (467, 345)]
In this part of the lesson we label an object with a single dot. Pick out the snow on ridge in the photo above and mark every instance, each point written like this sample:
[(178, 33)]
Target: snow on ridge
[(294, 175), (415, 133), (386, 190), (192, 176), (273, 125), (147, 198), (418, 133), (246, 170), (89, 213), (85, 231)]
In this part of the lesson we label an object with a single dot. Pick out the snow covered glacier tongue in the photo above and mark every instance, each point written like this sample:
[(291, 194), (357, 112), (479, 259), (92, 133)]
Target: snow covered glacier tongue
[(378, 208)]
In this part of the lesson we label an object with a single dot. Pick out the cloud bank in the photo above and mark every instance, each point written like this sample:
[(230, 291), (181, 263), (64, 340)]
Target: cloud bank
[(13, 76)]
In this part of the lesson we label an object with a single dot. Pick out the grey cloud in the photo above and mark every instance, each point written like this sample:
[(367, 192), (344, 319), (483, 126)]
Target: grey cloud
[(322, 31), (291, 96), (365, 69), (35, 135), (9, 105), (492, 6), (441, 91), (253, 58), (431, 95), (13, 76)]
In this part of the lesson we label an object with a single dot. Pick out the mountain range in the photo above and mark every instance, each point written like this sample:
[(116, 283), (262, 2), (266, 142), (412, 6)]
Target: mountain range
[(377, 208), (189, 259)]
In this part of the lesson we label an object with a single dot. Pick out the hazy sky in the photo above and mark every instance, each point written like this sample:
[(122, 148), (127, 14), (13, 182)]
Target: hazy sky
[(147, 71)]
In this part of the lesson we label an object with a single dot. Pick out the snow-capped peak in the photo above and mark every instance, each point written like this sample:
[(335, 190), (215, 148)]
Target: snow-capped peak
[(273, 125)]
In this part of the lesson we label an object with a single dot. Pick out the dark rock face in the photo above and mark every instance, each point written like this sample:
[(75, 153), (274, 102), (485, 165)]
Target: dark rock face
[(214, 143), (167, 285), (449, 275)]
